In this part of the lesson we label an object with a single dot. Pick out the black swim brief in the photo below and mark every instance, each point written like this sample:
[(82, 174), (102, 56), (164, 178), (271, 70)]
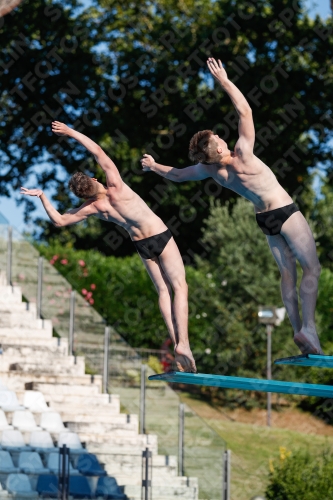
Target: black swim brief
[(271, 222), (152, 247)]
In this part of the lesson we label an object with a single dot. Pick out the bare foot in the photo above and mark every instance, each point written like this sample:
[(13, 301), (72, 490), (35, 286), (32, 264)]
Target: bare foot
[(184, 359), (308, 343)]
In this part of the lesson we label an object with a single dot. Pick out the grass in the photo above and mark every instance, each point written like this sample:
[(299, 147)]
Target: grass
[(254, 447)]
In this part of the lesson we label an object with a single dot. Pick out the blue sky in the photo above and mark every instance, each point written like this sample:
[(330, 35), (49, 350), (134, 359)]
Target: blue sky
[(14, 213)]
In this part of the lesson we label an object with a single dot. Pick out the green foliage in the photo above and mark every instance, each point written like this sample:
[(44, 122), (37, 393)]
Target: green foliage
[(224, 295), (302, 476), (155, 364), (140, 66)]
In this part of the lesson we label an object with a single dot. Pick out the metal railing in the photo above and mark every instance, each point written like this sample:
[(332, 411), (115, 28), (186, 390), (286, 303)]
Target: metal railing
[(198, 449)]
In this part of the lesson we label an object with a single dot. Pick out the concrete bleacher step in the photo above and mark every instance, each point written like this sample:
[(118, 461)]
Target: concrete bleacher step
[(114, 426), (39, 359), (34, 360), (58, 384), (119, 445), (99, 417), (10, 319), (41, 369), (187, 490), (163, 466), (10, 295), (19, 307), (38, 364), (70, 402), (58, 387), (26, 333), (39, 347)]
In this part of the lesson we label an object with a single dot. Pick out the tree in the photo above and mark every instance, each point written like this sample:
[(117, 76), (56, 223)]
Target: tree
[(142, 68), (48, 71), (301, 475), (162, 95)]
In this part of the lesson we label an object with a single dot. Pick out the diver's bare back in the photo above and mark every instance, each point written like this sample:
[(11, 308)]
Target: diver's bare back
[(124, 207), (251, 178)]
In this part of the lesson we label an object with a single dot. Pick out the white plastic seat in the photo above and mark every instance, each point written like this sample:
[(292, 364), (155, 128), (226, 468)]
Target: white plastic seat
[(30, 463), (3, 493), (8, 401), (41, 441), (24, 421), (51, 421), (53, 465), (72, 441), (35, 401), (3, 387), (19, 485), (3, 422), (13, 440), (6, 463)]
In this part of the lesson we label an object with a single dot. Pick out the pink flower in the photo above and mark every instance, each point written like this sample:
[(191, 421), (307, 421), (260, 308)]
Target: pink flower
[(81, 263), (55, 257), (93, 286), (89, 294), (64, 261), (84, 291), (51, 262), (91, 301)]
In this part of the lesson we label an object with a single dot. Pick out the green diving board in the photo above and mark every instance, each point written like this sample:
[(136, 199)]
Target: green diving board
[(246, 384), (319, 360)]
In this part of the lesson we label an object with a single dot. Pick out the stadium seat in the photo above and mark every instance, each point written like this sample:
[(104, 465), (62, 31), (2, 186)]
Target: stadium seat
[(35, 402), (8, 401), (24, 421), (12, 440), (3, 422), (79, 487), (19, 485), (51, 422), (30, 463), (3, 387), (89, 465), (53, 464), (6, 463), (3, 493), (48, 486), (107, 487), (72, 441), (42, 441)]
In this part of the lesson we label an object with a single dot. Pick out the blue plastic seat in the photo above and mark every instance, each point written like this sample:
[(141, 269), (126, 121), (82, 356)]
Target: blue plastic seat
[(19, 485), (108, 488), (79, 487), (89, 465), (53, 464), (30, 463), (48, 486), (6, 463)]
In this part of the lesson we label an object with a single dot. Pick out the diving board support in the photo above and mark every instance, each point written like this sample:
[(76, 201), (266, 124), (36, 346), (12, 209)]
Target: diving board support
[(246, 384), (318, 360)]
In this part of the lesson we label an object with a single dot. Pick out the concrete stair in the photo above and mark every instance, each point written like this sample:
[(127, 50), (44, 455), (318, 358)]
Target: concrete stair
[(28, 346), (187, 489), (58, 385), (69, 402), (33, 359)]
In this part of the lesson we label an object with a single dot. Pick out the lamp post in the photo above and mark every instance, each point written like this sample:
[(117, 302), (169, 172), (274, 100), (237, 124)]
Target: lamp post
[(270, 316)]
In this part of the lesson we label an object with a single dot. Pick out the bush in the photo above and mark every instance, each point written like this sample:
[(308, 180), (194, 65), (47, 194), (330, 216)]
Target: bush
[(302, 477)]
